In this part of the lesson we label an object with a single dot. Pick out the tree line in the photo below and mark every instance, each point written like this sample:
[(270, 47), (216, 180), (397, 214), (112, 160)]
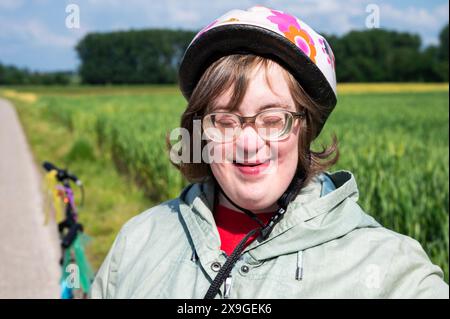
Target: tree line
[(153, 56), (12, 75), (377, 55)]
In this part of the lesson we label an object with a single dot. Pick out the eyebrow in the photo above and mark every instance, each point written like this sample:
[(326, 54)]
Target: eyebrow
[(217, 108)]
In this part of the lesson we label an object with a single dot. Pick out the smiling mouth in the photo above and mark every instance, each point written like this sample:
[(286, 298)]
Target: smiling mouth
[(244, 164), (252, 168)]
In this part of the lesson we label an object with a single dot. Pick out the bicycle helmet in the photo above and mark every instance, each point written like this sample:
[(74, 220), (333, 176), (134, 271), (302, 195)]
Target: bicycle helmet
[(268, 33)]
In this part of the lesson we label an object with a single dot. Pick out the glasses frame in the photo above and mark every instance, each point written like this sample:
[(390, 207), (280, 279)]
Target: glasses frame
[(252, 120)]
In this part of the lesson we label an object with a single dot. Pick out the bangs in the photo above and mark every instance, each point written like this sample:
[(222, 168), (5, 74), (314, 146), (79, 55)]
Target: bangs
[(230, 75)]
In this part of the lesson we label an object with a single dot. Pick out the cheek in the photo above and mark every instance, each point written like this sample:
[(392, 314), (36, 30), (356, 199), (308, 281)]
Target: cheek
[(287, 150), (220, 159), (287, 159)]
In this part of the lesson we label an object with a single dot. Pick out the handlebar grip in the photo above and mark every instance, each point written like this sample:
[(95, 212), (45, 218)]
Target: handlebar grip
[(49, 166), (62, 173), (72, 177)]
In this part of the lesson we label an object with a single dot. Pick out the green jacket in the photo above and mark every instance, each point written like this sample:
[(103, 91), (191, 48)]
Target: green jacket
[(324, 247)]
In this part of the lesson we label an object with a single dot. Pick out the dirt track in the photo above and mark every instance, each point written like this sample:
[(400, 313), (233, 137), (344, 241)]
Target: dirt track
[(28, 250)]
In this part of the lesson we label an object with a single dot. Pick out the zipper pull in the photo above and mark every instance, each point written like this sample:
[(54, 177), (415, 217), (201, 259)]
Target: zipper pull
[(227, 288), (299, 271), (194, 256)]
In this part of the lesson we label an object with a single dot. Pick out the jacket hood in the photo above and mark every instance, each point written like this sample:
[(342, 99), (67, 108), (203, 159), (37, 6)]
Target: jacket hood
[(310, 220)]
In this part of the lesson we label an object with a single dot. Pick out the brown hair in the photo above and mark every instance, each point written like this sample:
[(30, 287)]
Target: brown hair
[(233, 72)]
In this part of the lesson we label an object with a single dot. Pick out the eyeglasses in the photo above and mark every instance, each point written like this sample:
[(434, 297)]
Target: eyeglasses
[(271, 125)]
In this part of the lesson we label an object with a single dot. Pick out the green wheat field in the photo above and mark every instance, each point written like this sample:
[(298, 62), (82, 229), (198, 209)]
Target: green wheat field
[(393, 137)]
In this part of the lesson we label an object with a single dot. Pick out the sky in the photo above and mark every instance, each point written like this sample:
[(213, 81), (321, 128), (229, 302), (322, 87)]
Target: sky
[(34, 33)]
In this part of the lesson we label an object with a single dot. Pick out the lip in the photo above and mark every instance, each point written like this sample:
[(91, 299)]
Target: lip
[(252, 168)]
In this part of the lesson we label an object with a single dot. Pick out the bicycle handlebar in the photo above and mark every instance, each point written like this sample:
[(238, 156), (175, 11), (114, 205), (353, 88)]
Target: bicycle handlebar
[(62, 175)]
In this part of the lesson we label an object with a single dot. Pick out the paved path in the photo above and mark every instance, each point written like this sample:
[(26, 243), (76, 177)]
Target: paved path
[(28, 249)]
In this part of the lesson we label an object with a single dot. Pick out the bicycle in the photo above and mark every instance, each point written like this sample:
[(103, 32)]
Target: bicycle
[(77, 274)]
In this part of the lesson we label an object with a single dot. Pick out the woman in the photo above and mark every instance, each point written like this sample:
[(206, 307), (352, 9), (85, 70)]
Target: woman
[(263, 218)]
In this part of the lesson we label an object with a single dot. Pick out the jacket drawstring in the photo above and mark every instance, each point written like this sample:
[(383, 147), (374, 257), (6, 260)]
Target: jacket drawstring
[(194, 256), (263, 231), (299, 271)]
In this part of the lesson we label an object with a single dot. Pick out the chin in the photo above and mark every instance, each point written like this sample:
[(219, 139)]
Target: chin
[(257, 192), (256, 197)]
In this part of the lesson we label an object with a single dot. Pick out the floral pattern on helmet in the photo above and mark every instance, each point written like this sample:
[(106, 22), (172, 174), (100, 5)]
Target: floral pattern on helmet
[(292, 31), (283, 20), (327, 50)]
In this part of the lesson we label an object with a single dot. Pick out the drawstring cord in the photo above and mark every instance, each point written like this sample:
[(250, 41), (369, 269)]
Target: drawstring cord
[(264, 231), (226, 269)]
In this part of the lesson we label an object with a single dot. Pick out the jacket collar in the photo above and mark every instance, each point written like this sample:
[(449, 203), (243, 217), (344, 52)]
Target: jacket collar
[(309, 220)]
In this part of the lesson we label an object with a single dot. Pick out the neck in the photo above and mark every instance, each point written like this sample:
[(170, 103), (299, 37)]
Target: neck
[(226, 203)]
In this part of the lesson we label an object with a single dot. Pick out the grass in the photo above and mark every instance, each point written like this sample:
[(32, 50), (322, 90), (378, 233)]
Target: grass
[(393, 137), (397, 146), (111, 199)]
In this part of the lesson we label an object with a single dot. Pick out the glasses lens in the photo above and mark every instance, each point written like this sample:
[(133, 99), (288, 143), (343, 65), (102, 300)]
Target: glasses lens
[(221, 127), (274, 125)]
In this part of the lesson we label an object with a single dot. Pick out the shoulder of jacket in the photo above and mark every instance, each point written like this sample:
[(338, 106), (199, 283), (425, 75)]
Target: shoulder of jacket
[(383, 244), (161, 212), (151, 223), (399, 264), (383, 236), (399, 252), (411, 273)]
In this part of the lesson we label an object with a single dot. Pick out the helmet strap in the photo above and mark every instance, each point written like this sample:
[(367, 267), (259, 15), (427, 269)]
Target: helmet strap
[(264, 230)]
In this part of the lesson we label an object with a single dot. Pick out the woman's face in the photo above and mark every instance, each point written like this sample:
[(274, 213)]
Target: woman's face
[(257, 187)]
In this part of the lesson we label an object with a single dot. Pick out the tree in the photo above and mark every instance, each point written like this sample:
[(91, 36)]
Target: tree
[(146, 56)]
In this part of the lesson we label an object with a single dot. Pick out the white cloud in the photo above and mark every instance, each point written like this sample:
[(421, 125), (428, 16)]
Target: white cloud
[(411, 17), (10, 4), (106, 3), (426, 22), (34, 32), (186, 17)]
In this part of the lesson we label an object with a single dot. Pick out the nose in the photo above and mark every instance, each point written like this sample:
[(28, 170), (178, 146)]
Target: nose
[(249, 143)]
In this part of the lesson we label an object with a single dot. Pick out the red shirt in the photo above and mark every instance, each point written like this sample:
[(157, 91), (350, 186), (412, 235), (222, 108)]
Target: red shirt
[(233, 226)]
